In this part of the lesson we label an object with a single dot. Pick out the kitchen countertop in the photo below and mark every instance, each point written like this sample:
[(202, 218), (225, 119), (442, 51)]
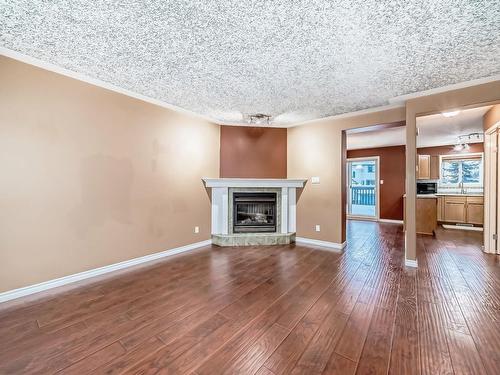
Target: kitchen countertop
[(427, 196), (460, 195), (434, 196)]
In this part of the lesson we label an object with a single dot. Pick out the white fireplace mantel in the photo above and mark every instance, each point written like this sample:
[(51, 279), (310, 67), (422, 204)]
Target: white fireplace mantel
[(255, 182), (220, 199)]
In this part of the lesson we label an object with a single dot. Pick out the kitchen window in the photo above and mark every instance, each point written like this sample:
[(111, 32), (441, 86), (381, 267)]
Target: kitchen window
[(461, 170)]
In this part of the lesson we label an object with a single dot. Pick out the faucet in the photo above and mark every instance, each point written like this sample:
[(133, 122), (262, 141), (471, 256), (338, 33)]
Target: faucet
[(462, 189)]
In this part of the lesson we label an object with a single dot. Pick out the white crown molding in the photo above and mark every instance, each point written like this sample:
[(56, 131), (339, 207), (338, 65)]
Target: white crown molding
[(326, 244), (438, 90), (31, 289), (411, 263), (389, 221), (105, 85)]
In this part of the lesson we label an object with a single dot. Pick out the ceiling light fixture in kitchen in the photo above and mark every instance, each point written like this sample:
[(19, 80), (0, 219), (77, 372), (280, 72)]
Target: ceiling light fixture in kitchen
[(450, 113), (464, 140)]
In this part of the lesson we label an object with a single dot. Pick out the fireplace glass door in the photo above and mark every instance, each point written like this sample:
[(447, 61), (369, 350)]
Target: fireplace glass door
[(254, 212)]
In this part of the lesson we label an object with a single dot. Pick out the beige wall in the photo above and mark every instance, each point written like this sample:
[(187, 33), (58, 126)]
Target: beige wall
[(90, 177), (317, 149)]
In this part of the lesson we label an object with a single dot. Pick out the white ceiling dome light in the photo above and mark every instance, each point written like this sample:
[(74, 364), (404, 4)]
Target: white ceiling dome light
[(450, 113)]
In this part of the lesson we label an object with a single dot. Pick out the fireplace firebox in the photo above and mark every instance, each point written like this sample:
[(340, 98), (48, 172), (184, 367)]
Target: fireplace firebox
[(254, 212)]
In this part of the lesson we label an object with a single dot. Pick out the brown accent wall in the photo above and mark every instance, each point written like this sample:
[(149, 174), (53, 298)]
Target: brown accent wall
[(448, 150), (491, 117), (252, 152), (91, 177), (392, 171)]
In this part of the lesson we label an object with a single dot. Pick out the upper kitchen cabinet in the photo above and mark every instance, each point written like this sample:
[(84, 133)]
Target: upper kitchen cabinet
[(428, 167), (424, 167), (435, 168)]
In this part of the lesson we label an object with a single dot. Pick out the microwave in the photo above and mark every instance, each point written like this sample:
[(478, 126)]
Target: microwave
[(426, 187)]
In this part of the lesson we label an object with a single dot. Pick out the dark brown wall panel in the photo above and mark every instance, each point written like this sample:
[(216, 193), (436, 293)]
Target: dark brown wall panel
[(392, 171), (448, 150), (252, 152)]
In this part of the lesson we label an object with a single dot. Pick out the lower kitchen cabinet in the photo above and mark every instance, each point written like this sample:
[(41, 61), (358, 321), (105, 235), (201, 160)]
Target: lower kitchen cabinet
[(475, 210), (461, 209)]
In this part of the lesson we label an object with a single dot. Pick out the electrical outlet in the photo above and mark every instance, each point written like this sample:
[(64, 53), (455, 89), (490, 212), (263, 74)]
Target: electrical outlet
[(196, 229), (381, 182), (318, 228), (315, 180)]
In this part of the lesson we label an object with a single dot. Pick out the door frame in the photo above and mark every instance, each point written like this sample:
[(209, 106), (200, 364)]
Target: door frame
[(491, 189), (377, 188)]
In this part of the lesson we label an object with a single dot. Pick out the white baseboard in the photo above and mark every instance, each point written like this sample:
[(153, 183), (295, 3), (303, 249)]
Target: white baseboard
[(31, 289), (411, 263), (391, 221), (460, 227), (327, 244)]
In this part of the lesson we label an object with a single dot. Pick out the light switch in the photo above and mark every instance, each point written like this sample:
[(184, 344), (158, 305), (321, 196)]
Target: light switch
[(315, 180), (318, 228)]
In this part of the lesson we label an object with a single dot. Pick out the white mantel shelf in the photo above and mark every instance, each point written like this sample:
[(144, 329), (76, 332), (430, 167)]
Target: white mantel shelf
[(255, 182)]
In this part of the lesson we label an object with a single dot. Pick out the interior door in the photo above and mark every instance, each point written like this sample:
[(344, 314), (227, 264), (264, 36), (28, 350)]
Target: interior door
[(362, 188)]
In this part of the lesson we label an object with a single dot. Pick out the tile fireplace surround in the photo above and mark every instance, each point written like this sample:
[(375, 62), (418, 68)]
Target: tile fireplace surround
[(222, 210)]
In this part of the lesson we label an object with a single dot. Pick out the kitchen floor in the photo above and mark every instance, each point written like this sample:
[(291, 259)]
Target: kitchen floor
[(273, 310)]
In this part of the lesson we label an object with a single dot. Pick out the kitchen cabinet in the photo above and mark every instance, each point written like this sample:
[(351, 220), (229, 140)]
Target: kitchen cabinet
[(424, 167), (461, 209), (454, 209), (426, 215), (475, 210), (435, 168)]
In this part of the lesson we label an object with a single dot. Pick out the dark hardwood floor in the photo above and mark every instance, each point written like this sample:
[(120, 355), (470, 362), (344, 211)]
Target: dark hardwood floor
[(273, 310)]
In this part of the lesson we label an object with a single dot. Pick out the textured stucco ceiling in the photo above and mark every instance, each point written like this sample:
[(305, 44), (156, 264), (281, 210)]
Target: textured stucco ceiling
[(294, 59)]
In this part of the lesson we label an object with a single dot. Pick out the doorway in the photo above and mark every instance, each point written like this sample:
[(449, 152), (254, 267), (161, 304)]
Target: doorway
[(362, 188)]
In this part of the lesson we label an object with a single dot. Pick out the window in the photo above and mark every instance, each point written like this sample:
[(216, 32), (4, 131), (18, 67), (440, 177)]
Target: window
[(461, 169)]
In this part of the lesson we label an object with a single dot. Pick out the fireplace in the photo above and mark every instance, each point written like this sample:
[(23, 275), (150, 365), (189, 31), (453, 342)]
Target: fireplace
[(254, 212)]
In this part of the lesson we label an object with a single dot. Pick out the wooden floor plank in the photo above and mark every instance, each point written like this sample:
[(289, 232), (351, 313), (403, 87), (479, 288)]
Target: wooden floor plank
[(272, 310)]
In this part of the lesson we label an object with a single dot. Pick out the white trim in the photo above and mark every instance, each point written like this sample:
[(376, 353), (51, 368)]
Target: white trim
[(390, 221), (462, 227), (411, 263), (491, 188), (349, 114), (327, 244), (403, 98), (31, 289), (284, 210), (255, 182), (105, 85)]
